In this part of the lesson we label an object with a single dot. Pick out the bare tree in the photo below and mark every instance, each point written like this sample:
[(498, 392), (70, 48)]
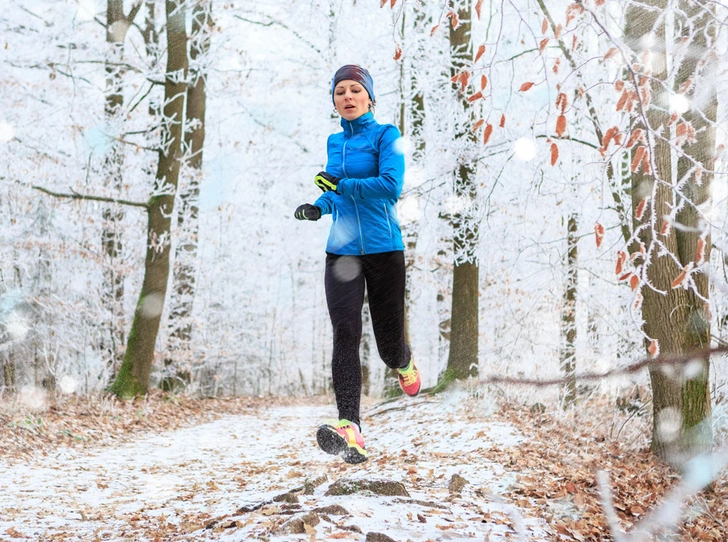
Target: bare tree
[(463, 356), (117, 27), (568, 311), (670, 229), (179, 359), (133, 377), (671, 168)]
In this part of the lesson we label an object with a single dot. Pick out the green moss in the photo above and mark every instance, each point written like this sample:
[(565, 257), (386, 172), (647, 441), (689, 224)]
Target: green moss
[(126, 386), (446, 380)]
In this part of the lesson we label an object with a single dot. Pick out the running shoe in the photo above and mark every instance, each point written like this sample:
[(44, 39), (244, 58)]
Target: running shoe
[(342, 438), (409, 379)]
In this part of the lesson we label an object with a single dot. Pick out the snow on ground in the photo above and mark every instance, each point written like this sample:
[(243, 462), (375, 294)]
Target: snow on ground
[(242, 477)]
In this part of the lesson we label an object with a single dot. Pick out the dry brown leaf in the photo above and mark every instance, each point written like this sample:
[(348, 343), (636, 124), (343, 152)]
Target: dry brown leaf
[(525, 86)]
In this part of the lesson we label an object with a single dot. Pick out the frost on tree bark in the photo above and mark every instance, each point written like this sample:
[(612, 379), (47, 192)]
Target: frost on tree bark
[(179, 360), (568, 312), (133, 377), (463, 357), (117, 26), (676, 314), (149, 32)]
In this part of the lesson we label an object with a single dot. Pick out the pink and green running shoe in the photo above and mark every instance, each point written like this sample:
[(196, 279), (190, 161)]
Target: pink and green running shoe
[(409, 379), (342, 438)]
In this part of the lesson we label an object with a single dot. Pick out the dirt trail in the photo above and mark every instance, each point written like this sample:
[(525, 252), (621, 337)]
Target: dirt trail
[(261, 475)]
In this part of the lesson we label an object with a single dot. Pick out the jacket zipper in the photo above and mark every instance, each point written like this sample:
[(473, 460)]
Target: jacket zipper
[(358, 221), (343, 159)]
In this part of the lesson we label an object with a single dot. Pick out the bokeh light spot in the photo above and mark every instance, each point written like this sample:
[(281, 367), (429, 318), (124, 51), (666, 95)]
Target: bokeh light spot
[(346, 268), (7, 131), (524, 149), (679, 104)]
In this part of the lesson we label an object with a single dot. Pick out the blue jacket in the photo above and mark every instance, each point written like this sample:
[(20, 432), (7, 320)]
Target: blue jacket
[(367, 158)]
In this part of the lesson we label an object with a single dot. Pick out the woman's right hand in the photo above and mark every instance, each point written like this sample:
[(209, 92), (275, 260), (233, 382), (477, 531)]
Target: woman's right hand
[(307, 212)]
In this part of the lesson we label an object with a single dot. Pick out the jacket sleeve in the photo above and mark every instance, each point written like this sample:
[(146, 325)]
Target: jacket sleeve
[(324, 202), (388, 184)]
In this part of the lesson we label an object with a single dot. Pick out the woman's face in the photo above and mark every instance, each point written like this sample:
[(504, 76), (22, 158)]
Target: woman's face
[(351, 99)]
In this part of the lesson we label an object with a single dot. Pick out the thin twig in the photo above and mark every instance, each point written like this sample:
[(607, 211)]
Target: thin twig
[(275, 22), (136, 145), (659, 361), (568, 138), (76, 195)]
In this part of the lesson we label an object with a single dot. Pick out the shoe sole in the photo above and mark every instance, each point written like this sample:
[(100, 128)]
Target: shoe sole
[(332, 443)]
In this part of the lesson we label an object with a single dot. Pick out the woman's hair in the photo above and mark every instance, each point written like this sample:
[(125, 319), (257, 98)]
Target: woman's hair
[(356, 73)]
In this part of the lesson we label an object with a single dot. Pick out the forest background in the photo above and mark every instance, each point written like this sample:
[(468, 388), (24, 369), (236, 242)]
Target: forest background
[(556, 155)]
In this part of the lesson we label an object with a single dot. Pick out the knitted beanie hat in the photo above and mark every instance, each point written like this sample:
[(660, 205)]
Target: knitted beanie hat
[(354, 73)]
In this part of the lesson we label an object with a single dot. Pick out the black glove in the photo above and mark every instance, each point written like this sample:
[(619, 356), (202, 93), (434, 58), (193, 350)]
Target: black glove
[(326, 181), (307, 212)]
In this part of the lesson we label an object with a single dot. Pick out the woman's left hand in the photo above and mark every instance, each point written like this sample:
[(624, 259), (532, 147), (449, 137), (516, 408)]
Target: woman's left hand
[(326, 182)]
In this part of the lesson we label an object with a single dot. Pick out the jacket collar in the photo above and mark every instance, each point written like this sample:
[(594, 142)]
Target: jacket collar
[(355, 126)]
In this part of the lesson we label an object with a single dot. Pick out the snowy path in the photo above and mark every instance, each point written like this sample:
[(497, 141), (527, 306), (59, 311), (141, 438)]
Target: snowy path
[(171, 485)]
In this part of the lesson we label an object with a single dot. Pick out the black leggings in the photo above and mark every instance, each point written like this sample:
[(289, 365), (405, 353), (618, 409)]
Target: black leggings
[(345, 279)]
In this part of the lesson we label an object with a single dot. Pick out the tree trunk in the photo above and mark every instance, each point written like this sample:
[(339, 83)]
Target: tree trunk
[(463, 358), (675, 318), (695, 392), (9, 371), (409, 121), (178, 363), (45, 358), (117, 26), (568, 313), (133, 377), (443, 274), (149, 32)]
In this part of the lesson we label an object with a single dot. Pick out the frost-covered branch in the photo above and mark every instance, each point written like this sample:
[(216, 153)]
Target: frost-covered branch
[(283, 25), (620, 207), (76, 195)]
